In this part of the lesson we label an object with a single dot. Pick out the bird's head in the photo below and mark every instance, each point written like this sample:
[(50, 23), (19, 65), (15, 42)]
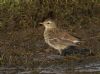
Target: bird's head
[(49, 24)]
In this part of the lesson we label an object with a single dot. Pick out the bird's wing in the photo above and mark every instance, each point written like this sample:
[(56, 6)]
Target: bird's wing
[(60, 41), (67, 37), (61, 36)]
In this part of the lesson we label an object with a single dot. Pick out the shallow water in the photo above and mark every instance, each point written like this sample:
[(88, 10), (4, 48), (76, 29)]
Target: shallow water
[(92, 67), (63, 69), (55, 64), (71, 67)]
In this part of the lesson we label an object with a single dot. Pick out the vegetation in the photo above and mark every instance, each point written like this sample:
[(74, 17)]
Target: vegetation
[(21, 37), (27, 13)]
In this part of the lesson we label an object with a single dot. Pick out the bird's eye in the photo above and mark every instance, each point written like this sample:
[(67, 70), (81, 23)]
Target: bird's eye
[(48, 23)]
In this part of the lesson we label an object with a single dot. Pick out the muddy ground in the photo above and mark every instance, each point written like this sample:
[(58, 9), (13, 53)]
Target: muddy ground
[(25, 52), (22, 46)]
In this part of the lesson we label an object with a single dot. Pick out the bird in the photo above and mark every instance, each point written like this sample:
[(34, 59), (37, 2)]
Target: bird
[(58, 38)]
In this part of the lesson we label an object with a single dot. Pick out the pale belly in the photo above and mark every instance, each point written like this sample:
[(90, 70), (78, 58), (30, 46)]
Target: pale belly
[(58, 45)]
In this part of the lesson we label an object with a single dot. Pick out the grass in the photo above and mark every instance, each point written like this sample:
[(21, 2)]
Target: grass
[(19, 38), (16, 13)]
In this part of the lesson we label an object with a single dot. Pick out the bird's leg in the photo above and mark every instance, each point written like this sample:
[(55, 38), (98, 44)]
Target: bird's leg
[(60, 52), (63, 52)]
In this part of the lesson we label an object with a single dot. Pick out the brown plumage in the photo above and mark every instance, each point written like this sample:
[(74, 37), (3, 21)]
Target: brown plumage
[(58, 38)]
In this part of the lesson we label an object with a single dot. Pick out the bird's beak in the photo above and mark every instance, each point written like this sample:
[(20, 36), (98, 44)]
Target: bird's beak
[(41, 23)]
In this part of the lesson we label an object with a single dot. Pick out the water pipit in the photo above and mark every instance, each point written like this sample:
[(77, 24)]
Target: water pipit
[(57, 38)]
